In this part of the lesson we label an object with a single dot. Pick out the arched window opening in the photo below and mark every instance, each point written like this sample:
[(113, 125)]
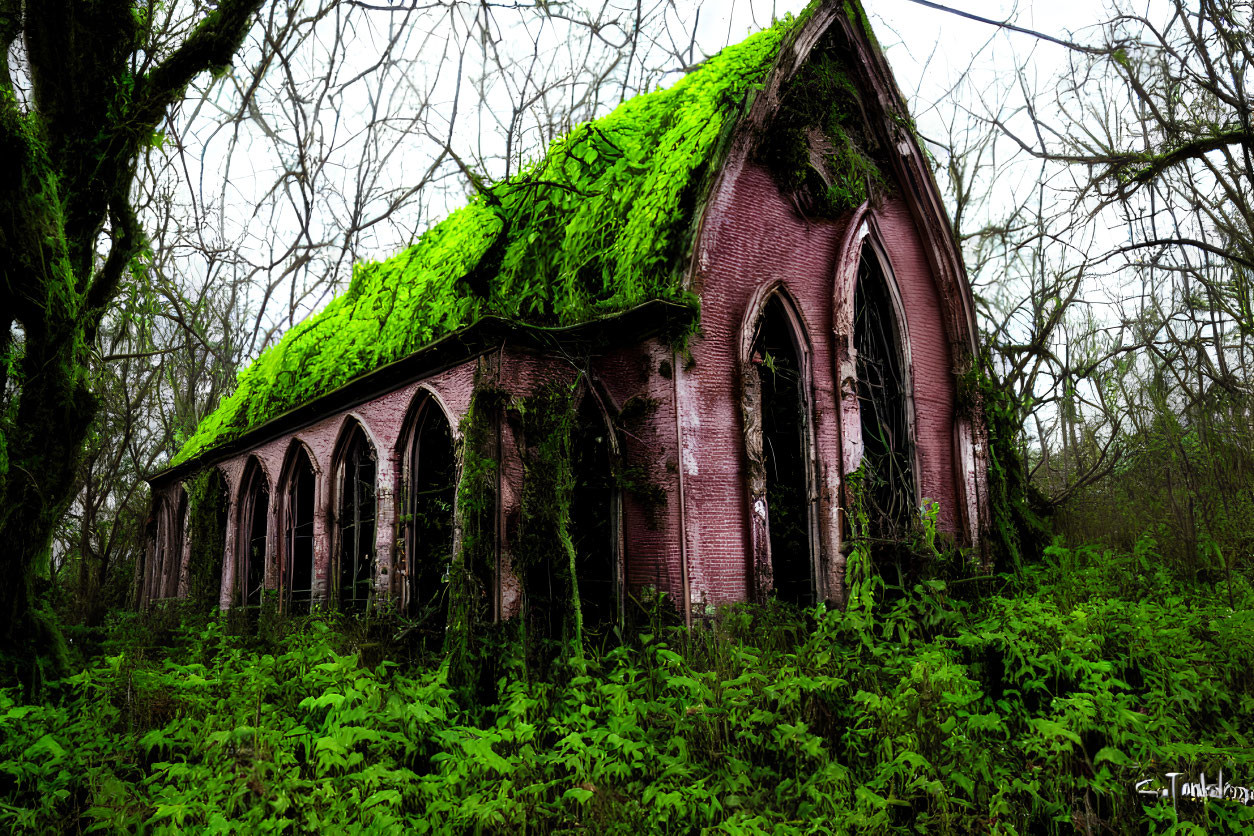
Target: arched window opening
[(173, 563), (888, 455), (154, 571), (256, 510), (432, 469), (207, 531), (777, 360), (151, 556), (298, 526), (357, 513), (592, 519)]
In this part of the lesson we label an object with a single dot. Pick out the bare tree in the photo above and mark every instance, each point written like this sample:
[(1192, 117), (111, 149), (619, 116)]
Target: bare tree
[(1115, 278), (348, 129)]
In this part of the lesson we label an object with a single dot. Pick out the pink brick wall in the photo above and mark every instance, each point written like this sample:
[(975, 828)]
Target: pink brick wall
[(698, 544), (753, 242), (654, 557), (651, 542)]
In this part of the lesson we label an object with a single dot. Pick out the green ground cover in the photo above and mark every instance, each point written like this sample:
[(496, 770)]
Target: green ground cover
[(987, 706)]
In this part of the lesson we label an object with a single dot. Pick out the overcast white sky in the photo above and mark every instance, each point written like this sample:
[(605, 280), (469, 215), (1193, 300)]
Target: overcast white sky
[(928, 49)]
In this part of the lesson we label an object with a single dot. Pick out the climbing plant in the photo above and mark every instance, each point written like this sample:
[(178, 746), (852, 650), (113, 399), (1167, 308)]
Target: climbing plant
[(474, 564), (1017, 526), (208, 506), (544, 556)]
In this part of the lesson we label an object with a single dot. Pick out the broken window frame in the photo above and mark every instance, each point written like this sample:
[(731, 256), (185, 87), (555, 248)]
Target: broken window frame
[(869, 245), (254, 489), (762, 580), (157, 553), (591, 398), (174, 556), (425, 406), (288, 552), (163, 569), (354, 444)]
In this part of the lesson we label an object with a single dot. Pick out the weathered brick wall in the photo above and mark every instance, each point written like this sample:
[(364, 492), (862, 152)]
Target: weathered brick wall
[(754, 241), (384, 419), (649, 455)]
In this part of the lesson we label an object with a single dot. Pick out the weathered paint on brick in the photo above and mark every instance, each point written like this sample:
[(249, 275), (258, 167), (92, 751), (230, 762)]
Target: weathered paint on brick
[(699, 544)]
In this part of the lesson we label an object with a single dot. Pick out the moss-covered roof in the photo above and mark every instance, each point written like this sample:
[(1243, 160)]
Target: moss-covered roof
[(601, 224)]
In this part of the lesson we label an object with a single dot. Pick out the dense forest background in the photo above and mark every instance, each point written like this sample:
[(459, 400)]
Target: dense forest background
[(196, 177)]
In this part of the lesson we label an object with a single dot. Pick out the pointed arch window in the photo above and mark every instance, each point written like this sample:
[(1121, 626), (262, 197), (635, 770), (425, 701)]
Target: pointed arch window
[(883, 399), (166, 563), (594, 518), (254, 541), (173, 563), (429, 495), (298, 530), (207, 527), (776, 410), (357, 513)]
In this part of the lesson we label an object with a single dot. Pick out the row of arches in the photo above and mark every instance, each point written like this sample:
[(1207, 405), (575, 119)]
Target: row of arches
[(286, 556), (778, 411), (278, 524)]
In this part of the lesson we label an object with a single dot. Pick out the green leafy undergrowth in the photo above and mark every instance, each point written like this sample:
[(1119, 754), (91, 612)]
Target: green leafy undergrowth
[(1035, 710)]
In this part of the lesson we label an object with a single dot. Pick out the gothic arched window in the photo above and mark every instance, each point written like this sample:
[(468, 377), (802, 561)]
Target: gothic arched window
[(429, 493), (254, 505), (883, 388), (298, 530), (777, 435), (357, 514)]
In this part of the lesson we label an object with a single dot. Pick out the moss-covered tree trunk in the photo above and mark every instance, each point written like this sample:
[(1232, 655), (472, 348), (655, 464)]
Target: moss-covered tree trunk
[(76, 110)]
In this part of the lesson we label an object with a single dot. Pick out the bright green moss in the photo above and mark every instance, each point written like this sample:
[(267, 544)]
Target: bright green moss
[(596, 227), (603, 223), (819, 146)]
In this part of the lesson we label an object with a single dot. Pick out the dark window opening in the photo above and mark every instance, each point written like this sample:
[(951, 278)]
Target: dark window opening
[(153, 541), (173, 564), (432, 471), (591, 524), (160, 547), (357, 523), (778, 364), (253, 558), (887, 454), (299, 533), (207, 530)]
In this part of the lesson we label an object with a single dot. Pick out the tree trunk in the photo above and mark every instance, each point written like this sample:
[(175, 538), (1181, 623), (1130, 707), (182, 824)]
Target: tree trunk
[(68, 238)]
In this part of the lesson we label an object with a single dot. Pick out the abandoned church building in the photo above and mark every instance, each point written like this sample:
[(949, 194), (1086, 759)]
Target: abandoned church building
[(683, 353)]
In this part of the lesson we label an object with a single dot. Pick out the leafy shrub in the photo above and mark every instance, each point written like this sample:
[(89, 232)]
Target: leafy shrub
[(1033, 710)]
